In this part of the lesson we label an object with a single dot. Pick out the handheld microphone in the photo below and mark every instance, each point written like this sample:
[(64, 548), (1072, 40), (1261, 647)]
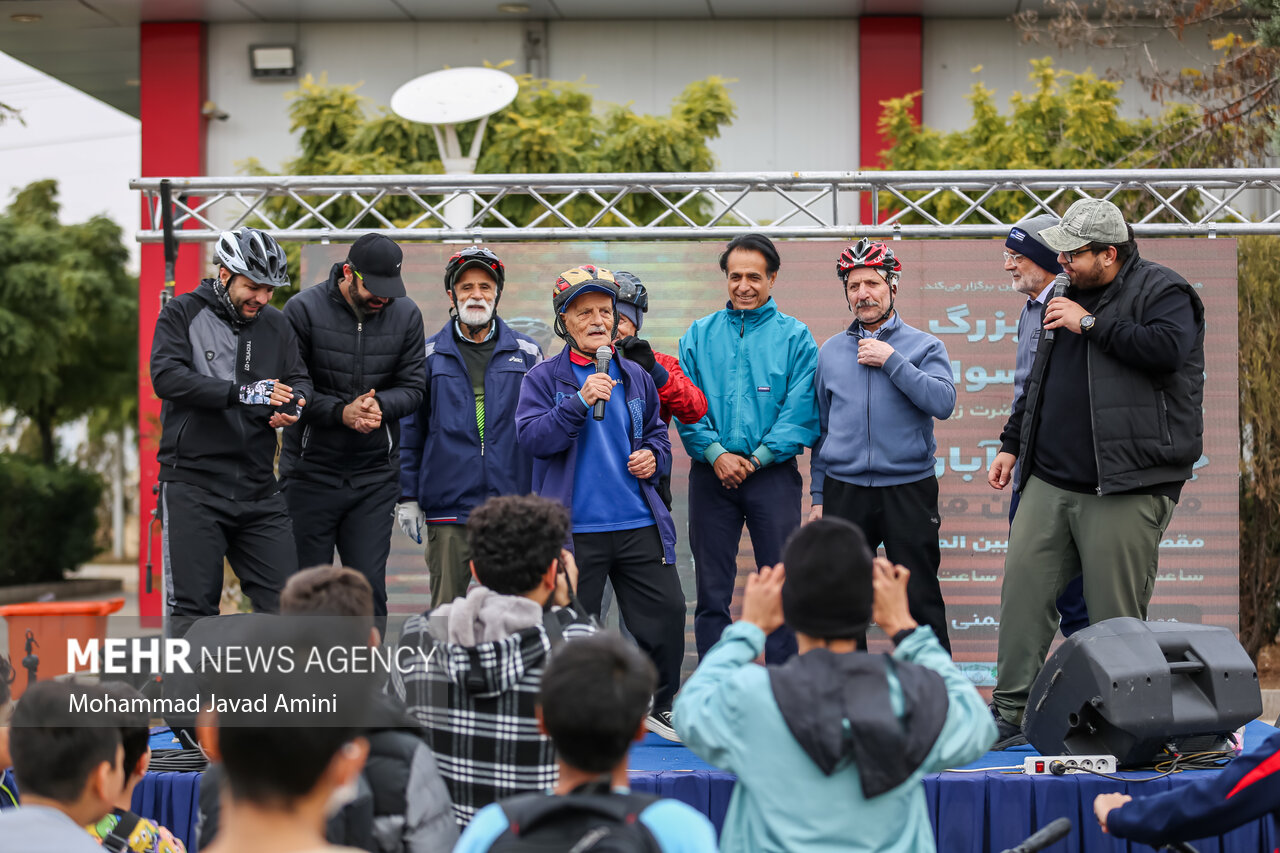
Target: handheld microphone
[(1061, 282), (603, 355)]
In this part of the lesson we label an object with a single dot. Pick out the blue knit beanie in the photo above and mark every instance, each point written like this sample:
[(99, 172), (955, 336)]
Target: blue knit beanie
[(1024, 239)]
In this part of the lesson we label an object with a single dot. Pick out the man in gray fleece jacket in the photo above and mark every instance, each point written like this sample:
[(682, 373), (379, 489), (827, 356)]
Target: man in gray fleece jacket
[(880, 386), (473, 682)]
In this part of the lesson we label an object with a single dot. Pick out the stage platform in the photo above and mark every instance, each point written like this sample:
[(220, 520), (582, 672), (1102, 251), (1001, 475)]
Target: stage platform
[(975, 809), (978, 808)]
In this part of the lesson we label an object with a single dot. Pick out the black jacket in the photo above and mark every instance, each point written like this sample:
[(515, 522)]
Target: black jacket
[(199, 360), (346, 358), (1145, 401)]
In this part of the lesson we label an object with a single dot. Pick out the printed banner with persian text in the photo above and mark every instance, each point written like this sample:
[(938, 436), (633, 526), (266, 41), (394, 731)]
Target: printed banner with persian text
[(955, 289)]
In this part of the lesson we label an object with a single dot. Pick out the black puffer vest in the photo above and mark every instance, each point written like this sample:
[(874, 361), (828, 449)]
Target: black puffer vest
[(1148, 427)]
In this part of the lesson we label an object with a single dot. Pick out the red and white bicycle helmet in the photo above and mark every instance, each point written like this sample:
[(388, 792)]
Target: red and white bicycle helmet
[(868, 253)]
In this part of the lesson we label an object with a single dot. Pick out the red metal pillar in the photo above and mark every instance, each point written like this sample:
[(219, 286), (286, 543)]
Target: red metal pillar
[(172, 74), (890, 65)]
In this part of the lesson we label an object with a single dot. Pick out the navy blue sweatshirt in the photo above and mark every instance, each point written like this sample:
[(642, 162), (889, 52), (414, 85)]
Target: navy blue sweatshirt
[(1245, 790)]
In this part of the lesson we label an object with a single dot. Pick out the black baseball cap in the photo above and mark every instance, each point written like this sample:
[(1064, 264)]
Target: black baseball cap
[(376, 260)]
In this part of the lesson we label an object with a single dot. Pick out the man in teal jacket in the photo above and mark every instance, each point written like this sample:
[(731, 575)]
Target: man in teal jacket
[(830, 748), (755, 364)]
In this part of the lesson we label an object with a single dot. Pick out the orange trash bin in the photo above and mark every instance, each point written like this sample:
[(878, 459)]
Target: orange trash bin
[(51, 624)]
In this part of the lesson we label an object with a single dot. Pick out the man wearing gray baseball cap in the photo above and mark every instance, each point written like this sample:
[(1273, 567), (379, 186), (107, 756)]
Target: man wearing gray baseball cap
[(1106, 431)]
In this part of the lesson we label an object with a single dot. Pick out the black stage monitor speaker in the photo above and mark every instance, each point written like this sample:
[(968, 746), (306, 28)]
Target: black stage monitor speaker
[(1130, 688)]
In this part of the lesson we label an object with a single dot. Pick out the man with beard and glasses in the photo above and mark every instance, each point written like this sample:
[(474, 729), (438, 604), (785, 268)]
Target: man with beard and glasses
[(227, 367), (362, 343), (1107, 430), (881, 384), (459, 446), (1032, 265)]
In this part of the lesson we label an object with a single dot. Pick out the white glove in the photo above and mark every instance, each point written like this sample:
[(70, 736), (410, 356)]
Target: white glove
[(411, 517)]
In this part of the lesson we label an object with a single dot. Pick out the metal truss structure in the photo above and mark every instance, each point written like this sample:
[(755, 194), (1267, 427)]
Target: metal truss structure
[(710, 205)]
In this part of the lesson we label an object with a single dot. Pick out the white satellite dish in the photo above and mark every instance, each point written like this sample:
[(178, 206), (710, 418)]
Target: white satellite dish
[(445, 99), (454, 95)]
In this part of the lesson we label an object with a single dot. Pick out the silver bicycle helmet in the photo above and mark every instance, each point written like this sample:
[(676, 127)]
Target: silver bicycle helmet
[(255, 255)]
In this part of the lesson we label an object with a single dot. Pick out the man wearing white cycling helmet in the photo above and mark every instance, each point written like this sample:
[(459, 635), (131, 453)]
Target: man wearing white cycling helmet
[(880, 386), (226, 365)]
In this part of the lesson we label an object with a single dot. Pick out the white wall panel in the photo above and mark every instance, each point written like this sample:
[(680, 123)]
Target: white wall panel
[(795, 89), (795, 83), (379, 56), (952, 47)]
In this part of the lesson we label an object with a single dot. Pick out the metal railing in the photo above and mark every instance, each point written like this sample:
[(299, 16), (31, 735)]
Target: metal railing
[(709, 205)]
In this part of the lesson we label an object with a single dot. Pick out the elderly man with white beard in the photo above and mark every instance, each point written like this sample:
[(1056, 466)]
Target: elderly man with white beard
[(459, 448)]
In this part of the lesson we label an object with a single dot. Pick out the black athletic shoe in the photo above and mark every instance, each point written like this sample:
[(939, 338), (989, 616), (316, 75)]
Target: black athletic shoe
[(1007, 734), (659, 722)]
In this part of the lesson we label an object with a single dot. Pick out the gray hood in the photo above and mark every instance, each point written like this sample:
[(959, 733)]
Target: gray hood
[(483, 616), (488, 642)]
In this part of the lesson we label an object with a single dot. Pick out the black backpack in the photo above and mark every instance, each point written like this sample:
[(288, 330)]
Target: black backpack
[(591, 818)]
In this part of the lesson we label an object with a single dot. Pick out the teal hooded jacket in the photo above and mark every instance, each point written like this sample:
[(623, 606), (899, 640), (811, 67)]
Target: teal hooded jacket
[(756, 368), (782, 802)]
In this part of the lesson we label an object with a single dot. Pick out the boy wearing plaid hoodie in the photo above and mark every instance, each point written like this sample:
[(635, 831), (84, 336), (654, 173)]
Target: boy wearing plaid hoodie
[(473, 685)]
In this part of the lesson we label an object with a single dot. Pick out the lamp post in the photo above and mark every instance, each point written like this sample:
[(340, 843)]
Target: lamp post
[(445, 99)]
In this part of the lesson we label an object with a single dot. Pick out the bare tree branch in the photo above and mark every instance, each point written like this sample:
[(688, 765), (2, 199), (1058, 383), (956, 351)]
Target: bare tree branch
[(1235, 86)]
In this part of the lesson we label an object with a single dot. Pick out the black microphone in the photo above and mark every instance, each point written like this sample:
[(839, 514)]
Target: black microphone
[(1061, 282), (602, 366), (1050, 834)]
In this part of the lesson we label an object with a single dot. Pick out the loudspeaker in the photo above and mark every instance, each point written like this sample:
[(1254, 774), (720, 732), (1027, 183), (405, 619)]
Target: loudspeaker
[(1130, 688)]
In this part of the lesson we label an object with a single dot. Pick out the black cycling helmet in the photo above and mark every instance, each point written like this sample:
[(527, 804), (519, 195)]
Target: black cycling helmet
[(630, 289), (254, 255), (633, 300), (474, 256)]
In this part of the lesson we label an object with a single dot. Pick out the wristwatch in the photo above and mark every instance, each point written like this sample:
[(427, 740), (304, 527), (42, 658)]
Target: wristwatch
[(1086, 323)]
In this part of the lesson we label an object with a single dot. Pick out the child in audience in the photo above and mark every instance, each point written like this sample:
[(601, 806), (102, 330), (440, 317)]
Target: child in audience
[(594, 698), (70, 774), (121, 829), (831, 745)]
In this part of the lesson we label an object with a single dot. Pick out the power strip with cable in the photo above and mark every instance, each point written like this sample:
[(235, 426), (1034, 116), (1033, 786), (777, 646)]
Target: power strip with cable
[(1060, 765)]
